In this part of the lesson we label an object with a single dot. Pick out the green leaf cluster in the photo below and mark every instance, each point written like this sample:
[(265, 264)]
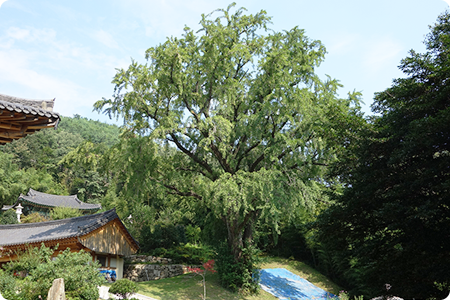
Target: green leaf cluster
[(391, 223), (80, 273), (14, 181), (123, 288), (60, 212), (8, 217)]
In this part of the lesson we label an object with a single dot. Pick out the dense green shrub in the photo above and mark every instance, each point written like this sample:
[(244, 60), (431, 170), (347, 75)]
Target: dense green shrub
[(123, 288), (7, 285), (142, 216), (29, 260), (186, 254), (193, 234), (237, 276), (59, 213), (162, 236), (8, 217), (159, 252), (291, 242), (34, 218), (81, 276), (191, 254)]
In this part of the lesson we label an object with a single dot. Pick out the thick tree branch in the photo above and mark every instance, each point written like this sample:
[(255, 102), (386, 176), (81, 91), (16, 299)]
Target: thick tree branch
[(191, 170), (246, 152), (194, 157), (175, 191), (242, 140), (197, 119), (226, 167), (256, 162), (296, 165), (247, 217), (180, 193), (207, 106)]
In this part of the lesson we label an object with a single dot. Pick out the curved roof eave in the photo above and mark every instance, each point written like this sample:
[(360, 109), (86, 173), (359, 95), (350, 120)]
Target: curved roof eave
[(29, 233)]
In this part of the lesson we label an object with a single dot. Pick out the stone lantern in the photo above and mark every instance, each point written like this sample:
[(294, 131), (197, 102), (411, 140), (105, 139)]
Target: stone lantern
[(18, 212)]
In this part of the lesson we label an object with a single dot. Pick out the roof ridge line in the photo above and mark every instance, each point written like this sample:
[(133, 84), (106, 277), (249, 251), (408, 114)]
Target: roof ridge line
[(61, 221)]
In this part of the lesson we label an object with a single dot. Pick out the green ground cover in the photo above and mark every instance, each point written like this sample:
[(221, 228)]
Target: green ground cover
[(189, 287)]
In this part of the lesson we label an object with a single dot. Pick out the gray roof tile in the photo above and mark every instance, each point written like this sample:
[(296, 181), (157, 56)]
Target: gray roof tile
[(5, 208), (27, 106), (49, 200), (18, 234)]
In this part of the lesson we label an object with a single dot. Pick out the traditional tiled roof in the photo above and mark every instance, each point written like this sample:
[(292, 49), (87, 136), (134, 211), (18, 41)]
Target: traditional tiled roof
[(19, 234), (20, 117), (7, 207), (48, 200)]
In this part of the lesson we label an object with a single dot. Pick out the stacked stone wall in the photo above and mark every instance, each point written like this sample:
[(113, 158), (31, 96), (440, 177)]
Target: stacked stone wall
[(145, 268), (136, 259)]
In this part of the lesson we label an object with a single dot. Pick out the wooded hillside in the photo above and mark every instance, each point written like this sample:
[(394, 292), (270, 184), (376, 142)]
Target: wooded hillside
[(42, 161)]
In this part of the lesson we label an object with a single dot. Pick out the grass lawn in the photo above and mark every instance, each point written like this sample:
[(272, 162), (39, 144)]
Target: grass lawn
[(189, 287)]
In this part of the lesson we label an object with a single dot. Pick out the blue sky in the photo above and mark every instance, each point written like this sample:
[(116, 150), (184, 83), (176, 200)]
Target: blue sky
[(69, 50)]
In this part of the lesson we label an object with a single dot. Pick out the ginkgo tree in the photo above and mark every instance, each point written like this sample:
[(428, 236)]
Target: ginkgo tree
[(254, 127)]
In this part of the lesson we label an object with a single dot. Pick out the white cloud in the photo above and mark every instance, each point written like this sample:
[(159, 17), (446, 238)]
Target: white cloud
[(447, 1), (31, 34), (1, 2), (380, 53), (45, 49), (49, 67), (16, 70), (70, 96), (169, 17), (17, 33), (6, 43), (342, 43), (105, 38)]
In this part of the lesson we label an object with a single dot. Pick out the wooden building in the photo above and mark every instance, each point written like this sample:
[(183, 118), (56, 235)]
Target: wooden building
[(35, 201), (20, 117), (103, 235)]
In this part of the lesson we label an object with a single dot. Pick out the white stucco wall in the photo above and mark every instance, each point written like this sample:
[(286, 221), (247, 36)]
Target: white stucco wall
[(119, 267)]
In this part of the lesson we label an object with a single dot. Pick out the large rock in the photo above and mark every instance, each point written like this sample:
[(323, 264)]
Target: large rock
[(56, 292)]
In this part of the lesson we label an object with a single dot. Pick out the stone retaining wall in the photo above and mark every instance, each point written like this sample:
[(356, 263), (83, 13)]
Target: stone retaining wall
[(135, 259), (145, 268), (147, 272)]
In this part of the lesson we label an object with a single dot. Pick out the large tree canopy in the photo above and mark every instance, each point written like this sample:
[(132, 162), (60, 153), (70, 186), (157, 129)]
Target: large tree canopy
[(394, 217), (254, 126)]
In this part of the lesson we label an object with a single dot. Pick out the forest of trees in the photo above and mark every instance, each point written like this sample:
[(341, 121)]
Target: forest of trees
[(232, 143)]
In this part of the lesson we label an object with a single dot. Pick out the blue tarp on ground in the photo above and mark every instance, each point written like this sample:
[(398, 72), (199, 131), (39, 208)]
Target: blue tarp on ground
[(286, 285)]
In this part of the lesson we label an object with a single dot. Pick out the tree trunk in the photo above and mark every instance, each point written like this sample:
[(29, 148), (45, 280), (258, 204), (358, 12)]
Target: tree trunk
[(235, 240), (240, 236)]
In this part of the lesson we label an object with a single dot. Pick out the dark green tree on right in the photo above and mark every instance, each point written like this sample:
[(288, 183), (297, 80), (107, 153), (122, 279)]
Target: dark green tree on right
[(392, 223)]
